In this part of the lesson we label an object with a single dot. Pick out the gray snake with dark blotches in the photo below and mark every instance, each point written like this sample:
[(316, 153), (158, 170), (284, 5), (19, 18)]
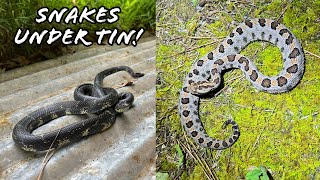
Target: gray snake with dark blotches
[(105, 102), (205, 75)]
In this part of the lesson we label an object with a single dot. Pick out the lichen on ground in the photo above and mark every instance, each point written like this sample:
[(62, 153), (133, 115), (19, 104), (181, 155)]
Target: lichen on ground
[(280, 132)]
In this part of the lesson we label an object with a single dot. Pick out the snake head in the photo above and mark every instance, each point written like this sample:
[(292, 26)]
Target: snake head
[(201, 87), (125, 102), (137, 75)]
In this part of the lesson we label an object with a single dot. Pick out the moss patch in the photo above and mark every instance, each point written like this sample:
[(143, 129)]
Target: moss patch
[(280, 132)]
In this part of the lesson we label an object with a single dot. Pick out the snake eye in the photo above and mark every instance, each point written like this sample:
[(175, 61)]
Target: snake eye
[(123, 96)]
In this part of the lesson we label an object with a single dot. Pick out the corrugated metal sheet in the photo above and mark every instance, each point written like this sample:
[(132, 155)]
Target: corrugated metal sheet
[(125, 151)]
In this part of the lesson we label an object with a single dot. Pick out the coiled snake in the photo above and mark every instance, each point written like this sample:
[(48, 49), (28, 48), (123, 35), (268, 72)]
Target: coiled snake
[(105, 102), (205, 75)]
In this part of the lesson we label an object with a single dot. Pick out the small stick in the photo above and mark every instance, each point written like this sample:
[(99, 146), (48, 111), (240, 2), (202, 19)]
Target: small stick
[(46, 157), (203, 163), (254, 145), (188, 50), (195, 157), (284, 10), (312, 54), (167, 111), (205, 37)]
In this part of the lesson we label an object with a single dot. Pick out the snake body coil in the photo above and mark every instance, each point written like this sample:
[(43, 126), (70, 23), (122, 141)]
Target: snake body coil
[(205, 74), (106, 103)]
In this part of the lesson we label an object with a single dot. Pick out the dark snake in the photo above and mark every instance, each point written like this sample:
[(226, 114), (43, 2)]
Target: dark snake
[(104, 102)]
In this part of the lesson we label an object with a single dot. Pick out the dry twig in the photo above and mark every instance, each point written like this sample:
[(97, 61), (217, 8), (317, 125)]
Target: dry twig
[(312, 54), (46, 157)]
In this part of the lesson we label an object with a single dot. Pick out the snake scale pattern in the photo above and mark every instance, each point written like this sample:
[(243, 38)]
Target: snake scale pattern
[(205, 74), (104, 102)]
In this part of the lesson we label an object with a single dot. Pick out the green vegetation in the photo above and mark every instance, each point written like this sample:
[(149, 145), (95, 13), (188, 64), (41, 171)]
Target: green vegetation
[(16, 14), (257, 174), (280, 132)]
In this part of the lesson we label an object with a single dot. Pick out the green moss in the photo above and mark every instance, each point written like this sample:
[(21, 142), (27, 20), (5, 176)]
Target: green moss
[(268, 61), (184, 176), (304, 27), (198, 174), (218, 28), (166, 165), (278, 131)]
